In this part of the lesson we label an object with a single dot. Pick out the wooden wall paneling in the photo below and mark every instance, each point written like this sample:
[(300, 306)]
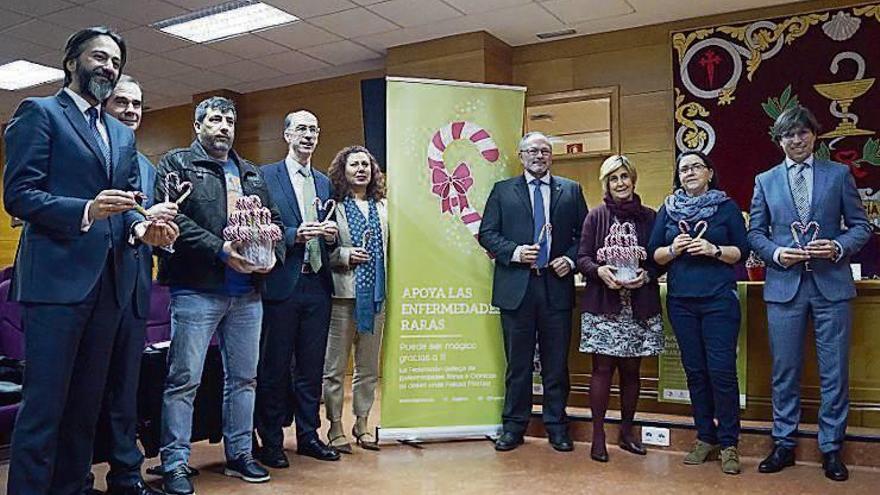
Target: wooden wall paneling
[(635, 70), (646, 122), (545, 76)]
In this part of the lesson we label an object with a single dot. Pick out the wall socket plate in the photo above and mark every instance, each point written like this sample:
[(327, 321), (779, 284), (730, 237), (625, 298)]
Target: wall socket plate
[(652, 435)]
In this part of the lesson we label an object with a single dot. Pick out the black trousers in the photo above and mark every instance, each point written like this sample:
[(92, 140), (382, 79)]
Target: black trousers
[(116, 440), (535, 321), (294, 343), (67, 351)]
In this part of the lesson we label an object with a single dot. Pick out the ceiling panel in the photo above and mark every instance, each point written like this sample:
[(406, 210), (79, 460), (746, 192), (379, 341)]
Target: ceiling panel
[(572, 11), (152, 41), (298, 35), (475, 7), (247, 71), (204, 80), (15, 48), (248, 46), (306, 9), (341, 52), (9, 18), (35, 8), (353, 23), (201, 56), (141, 12), (82, 16), (51, 36), (291, 62), (148, 67), (408, 13)]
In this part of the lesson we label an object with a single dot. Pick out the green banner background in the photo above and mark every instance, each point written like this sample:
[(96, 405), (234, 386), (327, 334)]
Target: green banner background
[(443, 356), (672, 386)]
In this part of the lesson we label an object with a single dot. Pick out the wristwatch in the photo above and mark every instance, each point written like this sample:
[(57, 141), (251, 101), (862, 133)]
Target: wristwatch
[(717, 253)]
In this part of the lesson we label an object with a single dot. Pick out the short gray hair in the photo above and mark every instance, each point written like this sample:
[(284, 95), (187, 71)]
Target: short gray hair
[(214, 103), (288, 119), (530, 135)]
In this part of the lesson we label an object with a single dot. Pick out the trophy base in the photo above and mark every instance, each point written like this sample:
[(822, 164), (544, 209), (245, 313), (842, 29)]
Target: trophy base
[(846, 129), (625, 275)]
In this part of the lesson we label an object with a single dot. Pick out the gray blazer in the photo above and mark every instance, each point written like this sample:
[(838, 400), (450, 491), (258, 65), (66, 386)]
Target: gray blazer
[(835, 198), (343, 274)]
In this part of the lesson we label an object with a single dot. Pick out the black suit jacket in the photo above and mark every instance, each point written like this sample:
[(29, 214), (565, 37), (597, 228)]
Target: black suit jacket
[(53, 168), (508, 223)]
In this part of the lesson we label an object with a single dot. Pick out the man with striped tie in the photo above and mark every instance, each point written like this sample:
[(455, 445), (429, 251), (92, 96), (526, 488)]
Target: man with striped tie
[(534, 285), (806, 198)]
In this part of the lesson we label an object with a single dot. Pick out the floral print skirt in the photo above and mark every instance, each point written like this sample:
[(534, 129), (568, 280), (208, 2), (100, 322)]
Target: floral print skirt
[(621, 335)]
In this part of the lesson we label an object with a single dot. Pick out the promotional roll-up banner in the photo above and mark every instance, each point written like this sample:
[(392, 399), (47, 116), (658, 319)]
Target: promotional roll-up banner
[(672, 381), (443, 355)]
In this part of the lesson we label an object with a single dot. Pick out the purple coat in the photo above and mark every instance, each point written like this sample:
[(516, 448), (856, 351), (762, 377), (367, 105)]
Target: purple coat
[(597, 298)]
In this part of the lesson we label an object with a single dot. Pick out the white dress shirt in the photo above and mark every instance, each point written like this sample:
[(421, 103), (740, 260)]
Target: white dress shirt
[(84, 107)]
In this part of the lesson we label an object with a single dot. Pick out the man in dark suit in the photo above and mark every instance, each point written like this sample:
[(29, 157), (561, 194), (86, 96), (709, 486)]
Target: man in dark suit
[(534, 285), (117, 429), (296, 304), (69, 176), (807, 280)]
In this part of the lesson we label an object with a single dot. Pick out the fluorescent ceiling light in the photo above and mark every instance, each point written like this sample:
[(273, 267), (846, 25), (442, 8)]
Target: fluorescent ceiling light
[(225, 21), (23, 74)]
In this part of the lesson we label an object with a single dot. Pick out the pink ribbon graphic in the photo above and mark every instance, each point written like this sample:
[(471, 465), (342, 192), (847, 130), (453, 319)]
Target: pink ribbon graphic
[(452, 188)]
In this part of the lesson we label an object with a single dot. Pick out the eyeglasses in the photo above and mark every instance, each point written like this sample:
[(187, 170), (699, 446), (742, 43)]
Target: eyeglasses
[(695, 167), (302, 129), (801, 133), (537, 151)]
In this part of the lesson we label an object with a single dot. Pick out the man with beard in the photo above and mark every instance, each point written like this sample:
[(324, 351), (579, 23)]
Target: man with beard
[(214, 288), (297, 300), (117, 429), (534, 285), (70, 175)]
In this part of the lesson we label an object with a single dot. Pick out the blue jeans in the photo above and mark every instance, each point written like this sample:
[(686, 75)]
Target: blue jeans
[(707, 329), (194, 319)]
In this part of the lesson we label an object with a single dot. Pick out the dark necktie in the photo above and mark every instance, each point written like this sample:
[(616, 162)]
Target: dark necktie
[(799, 191), (102, 145), (538, 207)]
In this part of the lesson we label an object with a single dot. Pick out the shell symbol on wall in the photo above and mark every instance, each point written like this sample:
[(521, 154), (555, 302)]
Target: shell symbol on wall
[(842, 26)]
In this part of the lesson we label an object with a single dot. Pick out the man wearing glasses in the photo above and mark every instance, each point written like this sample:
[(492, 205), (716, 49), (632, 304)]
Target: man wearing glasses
[(296, 303), (532, 225)]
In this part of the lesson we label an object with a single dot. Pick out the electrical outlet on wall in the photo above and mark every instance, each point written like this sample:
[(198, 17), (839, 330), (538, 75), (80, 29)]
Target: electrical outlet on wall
[(651, 435)]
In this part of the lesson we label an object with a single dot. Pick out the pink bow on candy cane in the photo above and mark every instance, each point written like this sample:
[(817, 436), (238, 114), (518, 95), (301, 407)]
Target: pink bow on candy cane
[(452, 189)]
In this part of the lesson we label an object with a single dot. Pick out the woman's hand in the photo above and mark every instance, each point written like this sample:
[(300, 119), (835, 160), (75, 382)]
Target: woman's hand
[(640, 280), (701, 247), (681, 243), (606, 273), (358, 255)]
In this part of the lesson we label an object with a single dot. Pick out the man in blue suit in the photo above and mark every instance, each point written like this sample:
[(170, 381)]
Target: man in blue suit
[(807, 279), (534, 285), (69, 176), (296, 303), (118, 426)]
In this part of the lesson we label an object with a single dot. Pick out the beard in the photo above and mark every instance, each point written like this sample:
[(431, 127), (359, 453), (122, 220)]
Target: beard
[(216, 144), (98, 87)]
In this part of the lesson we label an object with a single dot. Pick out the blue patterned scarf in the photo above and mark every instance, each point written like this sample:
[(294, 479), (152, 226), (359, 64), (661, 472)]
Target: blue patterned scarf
[(680, 206), (369, 276)]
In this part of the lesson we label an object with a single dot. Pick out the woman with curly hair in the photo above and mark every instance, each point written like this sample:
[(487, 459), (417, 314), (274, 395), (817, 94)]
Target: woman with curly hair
[(358, 265)]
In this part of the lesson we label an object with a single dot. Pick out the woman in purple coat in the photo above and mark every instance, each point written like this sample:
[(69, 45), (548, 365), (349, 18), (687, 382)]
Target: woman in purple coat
[(620, 307)]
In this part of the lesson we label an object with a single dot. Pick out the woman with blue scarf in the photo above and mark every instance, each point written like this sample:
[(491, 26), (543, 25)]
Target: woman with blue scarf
[(358, 265), (699, 234)]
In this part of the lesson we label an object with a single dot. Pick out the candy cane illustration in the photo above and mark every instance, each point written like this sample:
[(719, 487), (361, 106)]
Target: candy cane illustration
[(452, 188)]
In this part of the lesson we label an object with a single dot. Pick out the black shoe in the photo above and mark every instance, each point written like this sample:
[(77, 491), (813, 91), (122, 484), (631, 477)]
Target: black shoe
[(176, 482), (834, 467), (779, 459), (245, 467), (598, 455), (314, 447), (561, 442), (508, 441), (274, 457), (632, 447), (139, 488)]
